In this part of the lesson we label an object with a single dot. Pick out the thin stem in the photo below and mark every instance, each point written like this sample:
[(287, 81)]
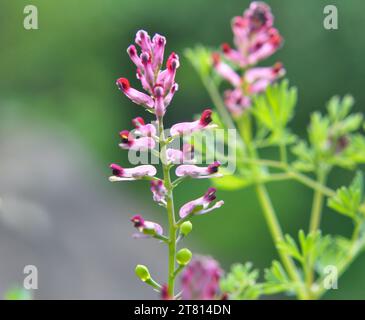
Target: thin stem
[(170, 211), (277, 234), (317, 205), (283, 154)]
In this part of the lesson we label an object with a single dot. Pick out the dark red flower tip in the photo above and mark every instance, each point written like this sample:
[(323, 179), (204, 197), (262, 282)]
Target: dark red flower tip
[(116, 170), (210, 194), (216, 58), (132, 51), (172, 61), (206, 117), (145, 58), (275, 37), (165, 292), (138, 221), (123, 84), (258, 18), (239, 22), (278, 66), (161, 41), (226, 48), (125, 136), (157, 185), (138, 121), (213, 168)]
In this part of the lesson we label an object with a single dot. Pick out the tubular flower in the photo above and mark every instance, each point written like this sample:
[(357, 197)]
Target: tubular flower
[(146, 228), (200, 279), (159, 84), (255, 39), (129, 142), (196, 172), (190, 127), (159, 191), (147, 130), (186, 155), (201, 205), (128, 174)]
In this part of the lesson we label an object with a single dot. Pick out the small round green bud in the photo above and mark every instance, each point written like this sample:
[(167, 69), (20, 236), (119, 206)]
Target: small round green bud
[(186, 228), (142, 272), (183, 257)]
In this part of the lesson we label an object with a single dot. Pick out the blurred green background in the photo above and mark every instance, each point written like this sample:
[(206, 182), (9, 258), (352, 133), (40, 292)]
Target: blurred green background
[(64, 73)]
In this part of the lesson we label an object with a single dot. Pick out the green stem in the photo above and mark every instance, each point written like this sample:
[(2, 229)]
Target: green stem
[(170, 211), (283, 154), (268, 210), (354, 251), (317, 205)]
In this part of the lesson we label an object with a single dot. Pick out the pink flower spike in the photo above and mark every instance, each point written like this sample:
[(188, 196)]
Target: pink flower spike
[(133, 94), (158, 44), (144, 41), (189, 127), (225, 71), (201, 205), (128, 174), (200, 279), (147, 130), (193, 171), (146, 228), (159, 191)]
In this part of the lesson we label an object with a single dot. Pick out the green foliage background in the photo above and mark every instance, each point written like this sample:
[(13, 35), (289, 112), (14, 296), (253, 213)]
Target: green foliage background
[(64, 73)]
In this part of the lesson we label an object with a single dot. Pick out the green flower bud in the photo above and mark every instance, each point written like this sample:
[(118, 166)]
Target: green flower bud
[(183, 257), (186, 228), (142, 272)]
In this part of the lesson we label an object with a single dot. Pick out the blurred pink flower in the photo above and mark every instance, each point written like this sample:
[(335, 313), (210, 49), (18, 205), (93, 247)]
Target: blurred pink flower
[(255, 39), (200, 279)]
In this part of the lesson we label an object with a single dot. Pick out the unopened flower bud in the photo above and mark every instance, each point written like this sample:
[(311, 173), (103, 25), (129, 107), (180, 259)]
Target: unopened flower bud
[(142, 272), (186, 228), (183, 257)]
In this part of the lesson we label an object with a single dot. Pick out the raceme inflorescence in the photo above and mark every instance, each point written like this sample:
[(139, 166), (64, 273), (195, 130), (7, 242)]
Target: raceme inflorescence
[(159, 87)]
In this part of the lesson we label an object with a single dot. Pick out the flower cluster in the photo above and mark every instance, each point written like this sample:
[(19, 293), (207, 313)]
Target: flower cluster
[(160, 86), (255, 39)]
